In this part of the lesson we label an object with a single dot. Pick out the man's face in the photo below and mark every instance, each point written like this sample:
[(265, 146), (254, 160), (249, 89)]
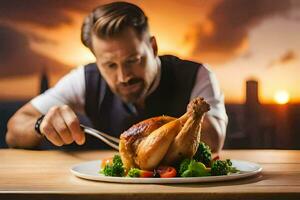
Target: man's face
[(127, 62)]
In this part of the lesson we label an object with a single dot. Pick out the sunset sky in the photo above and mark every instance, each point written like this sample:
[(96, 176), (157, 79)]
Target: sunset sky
[(239, 39)]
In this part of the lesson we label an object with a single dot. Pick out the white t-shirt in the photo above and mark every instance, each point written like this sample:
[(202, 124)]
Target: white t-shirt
[(70, 90)]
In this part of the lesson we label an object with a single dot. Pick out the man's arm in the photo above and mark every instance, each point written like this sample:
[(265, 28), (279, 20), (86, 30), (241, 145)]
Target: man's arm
[(60, 120), (20, 128), (213, 132)]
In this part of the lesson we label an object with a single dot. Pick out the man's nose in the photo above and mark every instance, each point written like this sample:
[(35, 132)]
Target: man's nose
[(123, 74)]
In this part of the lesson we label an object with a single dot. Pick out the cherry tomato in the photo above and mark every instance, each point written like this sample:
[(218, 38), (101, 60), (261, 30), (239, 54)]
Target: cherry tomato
[(146, 174), (217, 157), (166, 171)]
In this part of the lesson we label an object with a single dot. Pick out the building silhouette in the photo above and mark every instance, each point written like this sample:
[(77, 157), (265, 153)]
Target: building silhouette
[(252, 93), (252, 114), (44, 82)]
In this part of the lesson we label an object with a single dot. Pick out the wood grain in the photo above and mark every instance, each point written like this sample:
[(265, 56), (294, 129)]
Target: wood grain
[(31, 175)]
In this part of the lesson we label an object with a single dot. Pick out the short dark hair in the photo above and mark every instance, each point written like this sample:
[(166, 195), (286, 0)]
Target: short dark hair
[(110, 19)]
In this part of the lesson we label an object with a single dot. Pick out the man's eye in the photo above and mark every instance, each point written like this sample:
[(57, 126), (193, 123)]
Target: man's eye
[(112, 65), (133, 61)]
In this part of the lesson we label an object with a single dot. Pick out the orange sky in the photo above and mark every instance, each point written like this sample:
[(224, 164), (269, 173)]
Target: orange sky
[(265, 48)]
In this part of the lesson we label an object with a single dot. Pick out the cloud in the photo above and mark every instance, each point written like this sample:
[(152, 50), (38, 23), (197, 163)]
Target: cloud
[(17, 58), (48, 13), (224, 33), (286, 58)]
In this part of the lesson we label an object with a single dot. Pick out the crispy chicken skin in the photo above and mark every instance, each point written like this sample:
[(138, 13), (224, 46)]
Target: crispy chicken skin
[(163, 139), (131, 139)]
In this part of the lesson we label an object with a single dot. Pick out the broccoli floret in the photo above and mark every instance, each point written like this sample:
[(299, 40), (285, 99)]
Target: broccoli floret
[(114, 169), (203, 154), (192, 168), (222, 167), (134, 172), (184, 166), (140, 173)]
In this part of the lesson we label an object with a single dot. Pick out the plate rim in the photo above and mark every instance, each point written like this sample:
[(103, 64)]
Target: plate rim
[(177, 180)]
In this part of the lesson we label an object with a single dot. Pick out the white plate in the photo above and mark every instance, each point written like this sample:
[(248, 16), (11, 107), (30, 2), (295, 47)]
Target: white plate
[(89, 170)]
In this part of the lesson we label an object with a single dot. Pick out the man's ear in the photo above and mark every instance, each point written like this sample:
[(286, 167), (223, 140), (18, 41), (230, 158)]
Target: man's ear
[(154, 45)]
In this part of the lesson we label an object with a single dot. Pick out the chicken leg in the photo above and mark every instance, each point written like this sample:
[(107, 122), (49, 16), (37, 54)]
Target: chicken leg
[(187, 141)]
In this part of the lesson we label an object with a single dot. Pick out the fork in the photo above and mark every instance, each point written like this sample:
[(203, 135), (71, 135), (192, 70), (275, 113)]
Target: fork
[(107, 139)]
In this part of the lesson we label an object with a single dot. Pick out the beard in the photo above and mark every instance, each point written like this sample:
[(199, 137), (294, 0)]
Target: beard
[(132, 90)]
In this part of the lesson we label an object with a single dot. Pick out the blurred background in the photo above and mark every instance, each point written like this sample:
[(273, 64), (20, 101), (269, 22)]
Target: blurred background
[(253, 46)]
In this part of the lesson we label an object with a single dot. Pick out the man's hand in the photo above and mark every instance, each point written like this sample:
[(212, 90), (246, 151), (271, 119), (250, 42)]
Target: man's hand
[(61, 126)]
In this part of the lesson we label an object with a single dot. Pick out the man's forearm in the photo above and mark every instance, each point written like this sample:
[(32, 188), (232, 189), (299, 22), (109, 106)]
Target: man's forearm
[(213, 133), (21, 133)]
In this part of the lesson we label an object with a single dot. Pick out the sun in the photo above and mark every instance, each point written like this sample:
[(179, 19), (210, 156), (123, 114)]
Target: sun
[(282, 97)]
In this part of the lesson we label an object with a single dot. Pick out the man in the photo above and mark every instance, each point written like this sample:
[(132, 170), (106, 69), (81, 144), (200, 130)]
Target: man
[(128, 83)]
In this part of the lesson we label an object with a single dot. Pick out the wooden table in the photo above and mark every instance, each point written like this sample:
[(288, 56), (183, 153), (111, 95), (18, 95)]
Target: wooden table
[(27, 174)]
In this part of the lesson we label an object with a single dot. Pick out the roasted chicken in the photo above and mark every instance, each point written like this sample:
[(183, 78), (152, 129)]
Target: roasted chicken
[(163, 140)]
